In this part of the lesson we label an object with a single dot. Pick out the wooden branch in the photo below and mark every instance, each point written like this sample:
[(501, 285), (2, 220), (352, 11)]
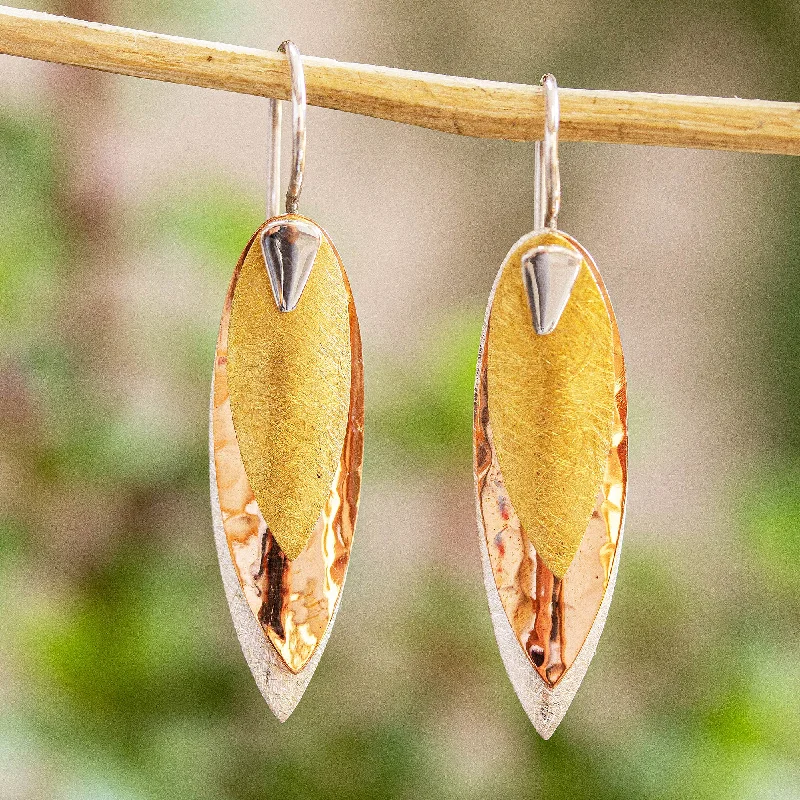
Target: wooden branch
[(455, 105)]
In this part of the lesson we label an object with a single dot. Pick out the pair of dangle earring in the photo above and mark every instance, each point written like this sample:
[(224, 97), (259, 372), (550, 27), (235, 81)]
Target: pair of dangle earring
[(286, 443), (286, 433), (550, 452)]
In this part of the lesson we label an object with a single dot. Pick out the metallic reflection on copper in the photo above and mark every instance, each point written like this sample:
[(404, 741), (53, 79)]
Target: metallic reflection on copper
[(551, 617), (293, 600)]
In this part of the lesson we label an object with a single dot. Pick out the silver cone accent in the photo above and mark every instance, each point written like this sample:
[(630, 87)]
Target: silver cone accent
[(279, 686), (549, 272), (289, 246)]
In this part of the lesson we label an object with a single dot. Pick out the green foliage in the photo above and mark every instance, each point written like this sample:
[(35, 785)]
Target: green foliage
[(29, 257), (420, 409), (211, 221), (768, 530), (777, 338)]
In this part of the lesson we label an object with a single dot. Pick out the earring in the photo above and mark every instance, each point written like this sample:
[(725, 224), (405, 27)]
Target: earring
[(550, 438), (286, 433)]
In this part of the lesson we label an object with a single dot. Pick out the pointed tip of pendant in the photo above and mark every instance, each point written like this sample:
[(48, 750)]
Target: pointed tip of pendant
[(545, 706), (545, 720), (281, 711), (549, 272), (289, 246), (281, 689)]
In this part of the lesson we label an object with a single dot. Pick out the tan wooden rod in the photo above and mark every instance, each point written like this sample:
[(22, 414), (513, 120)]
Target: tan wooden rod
[(464, 106)]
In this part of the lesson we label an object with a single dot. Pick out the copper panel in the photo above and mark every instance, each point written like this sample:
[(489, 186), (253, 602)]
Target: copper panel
[(293, 600), (551, 617)]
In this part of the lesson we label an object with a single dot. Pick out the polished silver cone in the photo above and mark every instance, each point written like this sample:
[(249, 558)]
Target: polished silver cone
[(549, 272), (289, 246), (280, 687)]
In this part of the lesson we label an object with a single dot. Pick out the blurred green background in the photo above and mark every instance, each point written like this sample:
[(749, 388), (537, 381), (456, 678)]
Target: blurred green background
[(124, 207)]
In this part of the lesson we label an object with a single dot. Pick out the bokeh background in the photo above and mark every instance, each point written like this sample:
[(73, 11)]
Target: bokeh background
[(124, 205)]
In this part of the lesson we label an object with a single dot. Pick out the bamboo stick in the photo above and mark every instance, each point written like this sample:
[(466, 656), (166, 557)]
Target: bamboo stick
[(455, 105)]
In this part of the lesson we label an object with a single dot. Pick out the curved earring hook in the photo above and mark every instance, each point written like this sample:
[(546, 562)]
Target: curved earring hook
[(274, 160), (298, 137), (548, 270), (547, 194)]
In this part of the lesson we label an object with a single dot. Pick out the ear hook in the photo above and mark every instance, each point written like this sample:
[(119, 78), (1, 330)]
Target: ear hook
[(548, 270), (298, 138), (289, 244), (274, 160), (547, 190)]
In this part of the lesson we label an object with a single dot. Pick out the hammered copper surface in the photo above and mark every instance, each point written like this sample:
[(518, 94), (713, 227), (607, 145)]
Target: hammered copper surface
[(294, 600), (551, 403), (550, 616)]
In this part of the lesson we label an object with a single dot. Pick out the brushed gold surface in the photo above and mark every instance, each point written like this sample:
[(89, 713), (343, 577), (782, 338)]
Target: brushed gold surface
[(551, 617), (293, 600), (289, 379), (551, 405)]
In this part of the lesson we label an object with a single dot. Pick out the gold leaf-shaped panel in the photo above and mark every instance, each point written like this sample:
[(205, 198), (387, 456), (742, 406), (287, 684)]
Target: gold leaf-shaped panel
[(550, 405), (289, 380), (552, 618), (294, 600)]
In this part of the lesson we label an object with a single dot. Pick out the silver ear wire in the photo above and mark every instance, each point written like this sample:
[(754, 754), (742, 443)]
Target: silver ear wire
[(547, 189), (549, 271), (298, 138), (538, 189), (289, 246), (274, 160)]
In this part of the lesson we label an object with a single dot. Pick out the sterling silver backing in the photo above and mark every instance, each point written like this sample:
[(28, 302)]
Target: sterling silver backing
[(280, 688)]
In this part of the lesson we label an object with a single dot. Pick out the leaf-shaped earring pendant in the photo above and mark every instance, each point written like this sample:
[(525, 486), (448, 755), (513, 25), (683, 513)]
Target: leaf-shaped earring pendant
[(286, 442), (550, 440)]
